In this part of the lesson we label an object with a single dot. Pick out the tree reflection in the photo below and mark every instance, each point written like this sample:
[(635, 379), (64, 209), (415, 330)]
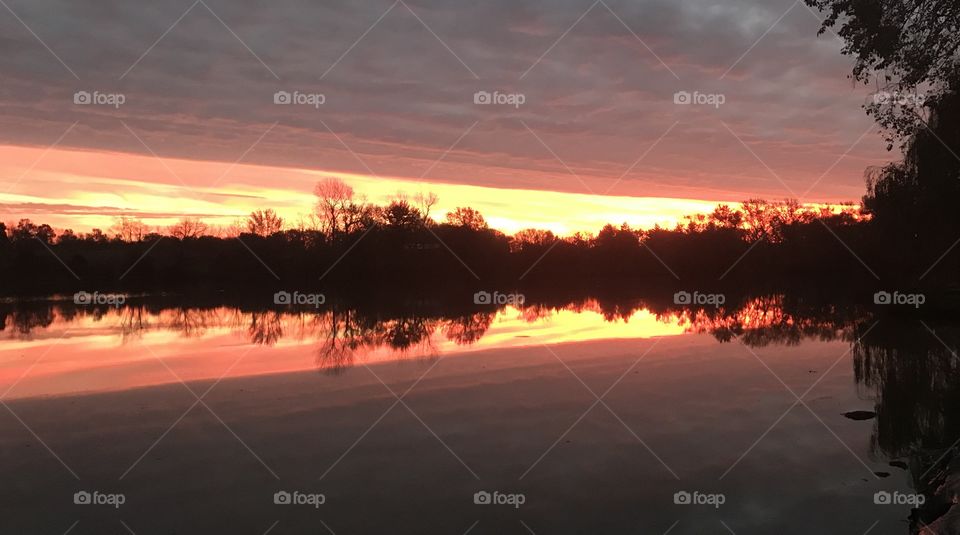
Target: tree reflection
[(134, 320), (265, 327), (914, 376), (911, 367), (193, 322), (349, 333), (26, 318), (765, 320), (468, 329)]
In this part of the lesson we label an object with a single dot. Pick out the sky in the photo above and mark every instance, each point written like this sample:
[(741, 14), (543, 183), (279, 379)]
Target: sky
[(559, 114)]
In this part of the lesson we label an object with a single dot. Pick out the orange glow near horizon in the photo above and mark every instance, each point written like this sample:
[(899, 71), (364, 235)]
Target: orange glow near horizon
[(82, 190), (101, 354)]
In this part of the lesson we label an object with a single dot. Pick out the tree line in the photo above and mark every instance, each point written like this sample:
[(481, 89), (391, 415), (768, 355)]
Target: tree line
[(349, 241)]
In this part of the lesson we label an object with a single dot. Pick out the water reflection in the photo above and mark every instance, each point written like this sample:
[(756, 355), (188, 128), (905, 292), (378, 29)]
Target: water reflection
[(773, 319), (911, 369), (907, 367), (757, 321), (339, 337), (119, 342)]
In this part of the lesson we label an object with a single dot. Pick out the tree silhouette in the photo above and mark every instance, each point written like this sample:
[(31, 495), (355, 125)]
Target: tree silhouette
[(908, 48), (188, 228), (401, 215), (129, 229), (264, 222), (336, 209), (467, 218)]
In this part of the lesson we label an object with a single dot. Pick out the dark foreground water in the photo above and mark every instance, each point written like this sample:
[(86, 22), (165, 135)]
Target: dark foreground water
[(577, 419)]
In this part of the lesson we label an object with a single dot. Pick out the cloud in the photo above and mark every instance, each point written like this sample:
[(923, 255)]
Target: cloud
[(399, 99), (60, 209)]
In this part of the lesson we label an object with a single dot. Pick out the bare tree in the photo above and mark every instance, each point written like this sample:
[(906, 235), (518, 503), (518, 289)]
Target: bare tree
[(234, 228), (130, 229), (264, 222), (334, 197), (188, 227), (337, 212), (425, 202)]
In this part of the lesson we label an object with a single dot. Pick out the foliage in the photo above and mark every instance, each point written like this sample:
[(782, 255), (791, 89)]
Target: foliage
[(908, 48)]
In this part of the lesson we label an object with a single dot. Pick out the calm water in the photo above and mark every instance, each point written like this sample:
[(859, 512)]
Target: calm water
[(592, 415)]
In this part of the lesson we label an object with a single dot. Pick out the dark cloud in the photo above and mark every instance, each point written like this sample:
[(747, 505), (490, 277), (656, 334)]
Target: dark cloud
[(401, 96)]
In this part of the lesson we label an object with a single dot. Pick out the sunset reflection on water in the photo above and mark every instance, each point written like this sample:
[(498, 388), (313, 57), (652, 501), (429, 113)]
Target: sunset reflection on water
[(66, 350)]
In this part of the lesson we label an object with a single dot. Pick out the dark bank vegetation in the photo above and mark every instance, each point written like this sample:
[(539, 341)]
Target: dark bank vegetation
[(353, 243)]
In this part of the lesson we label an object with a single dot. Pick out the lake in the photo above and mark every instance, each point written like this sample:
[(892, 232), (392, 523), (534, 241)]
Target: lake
[(772, 415)]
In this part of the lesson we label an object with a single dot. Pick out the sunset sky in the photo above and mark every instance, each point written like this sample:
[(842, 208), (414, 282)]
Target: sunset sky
[(597, 138)]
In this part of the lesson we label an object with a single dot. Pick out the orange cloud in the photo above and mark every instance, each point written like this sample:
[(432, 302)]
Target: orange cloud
[(87, 189)]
